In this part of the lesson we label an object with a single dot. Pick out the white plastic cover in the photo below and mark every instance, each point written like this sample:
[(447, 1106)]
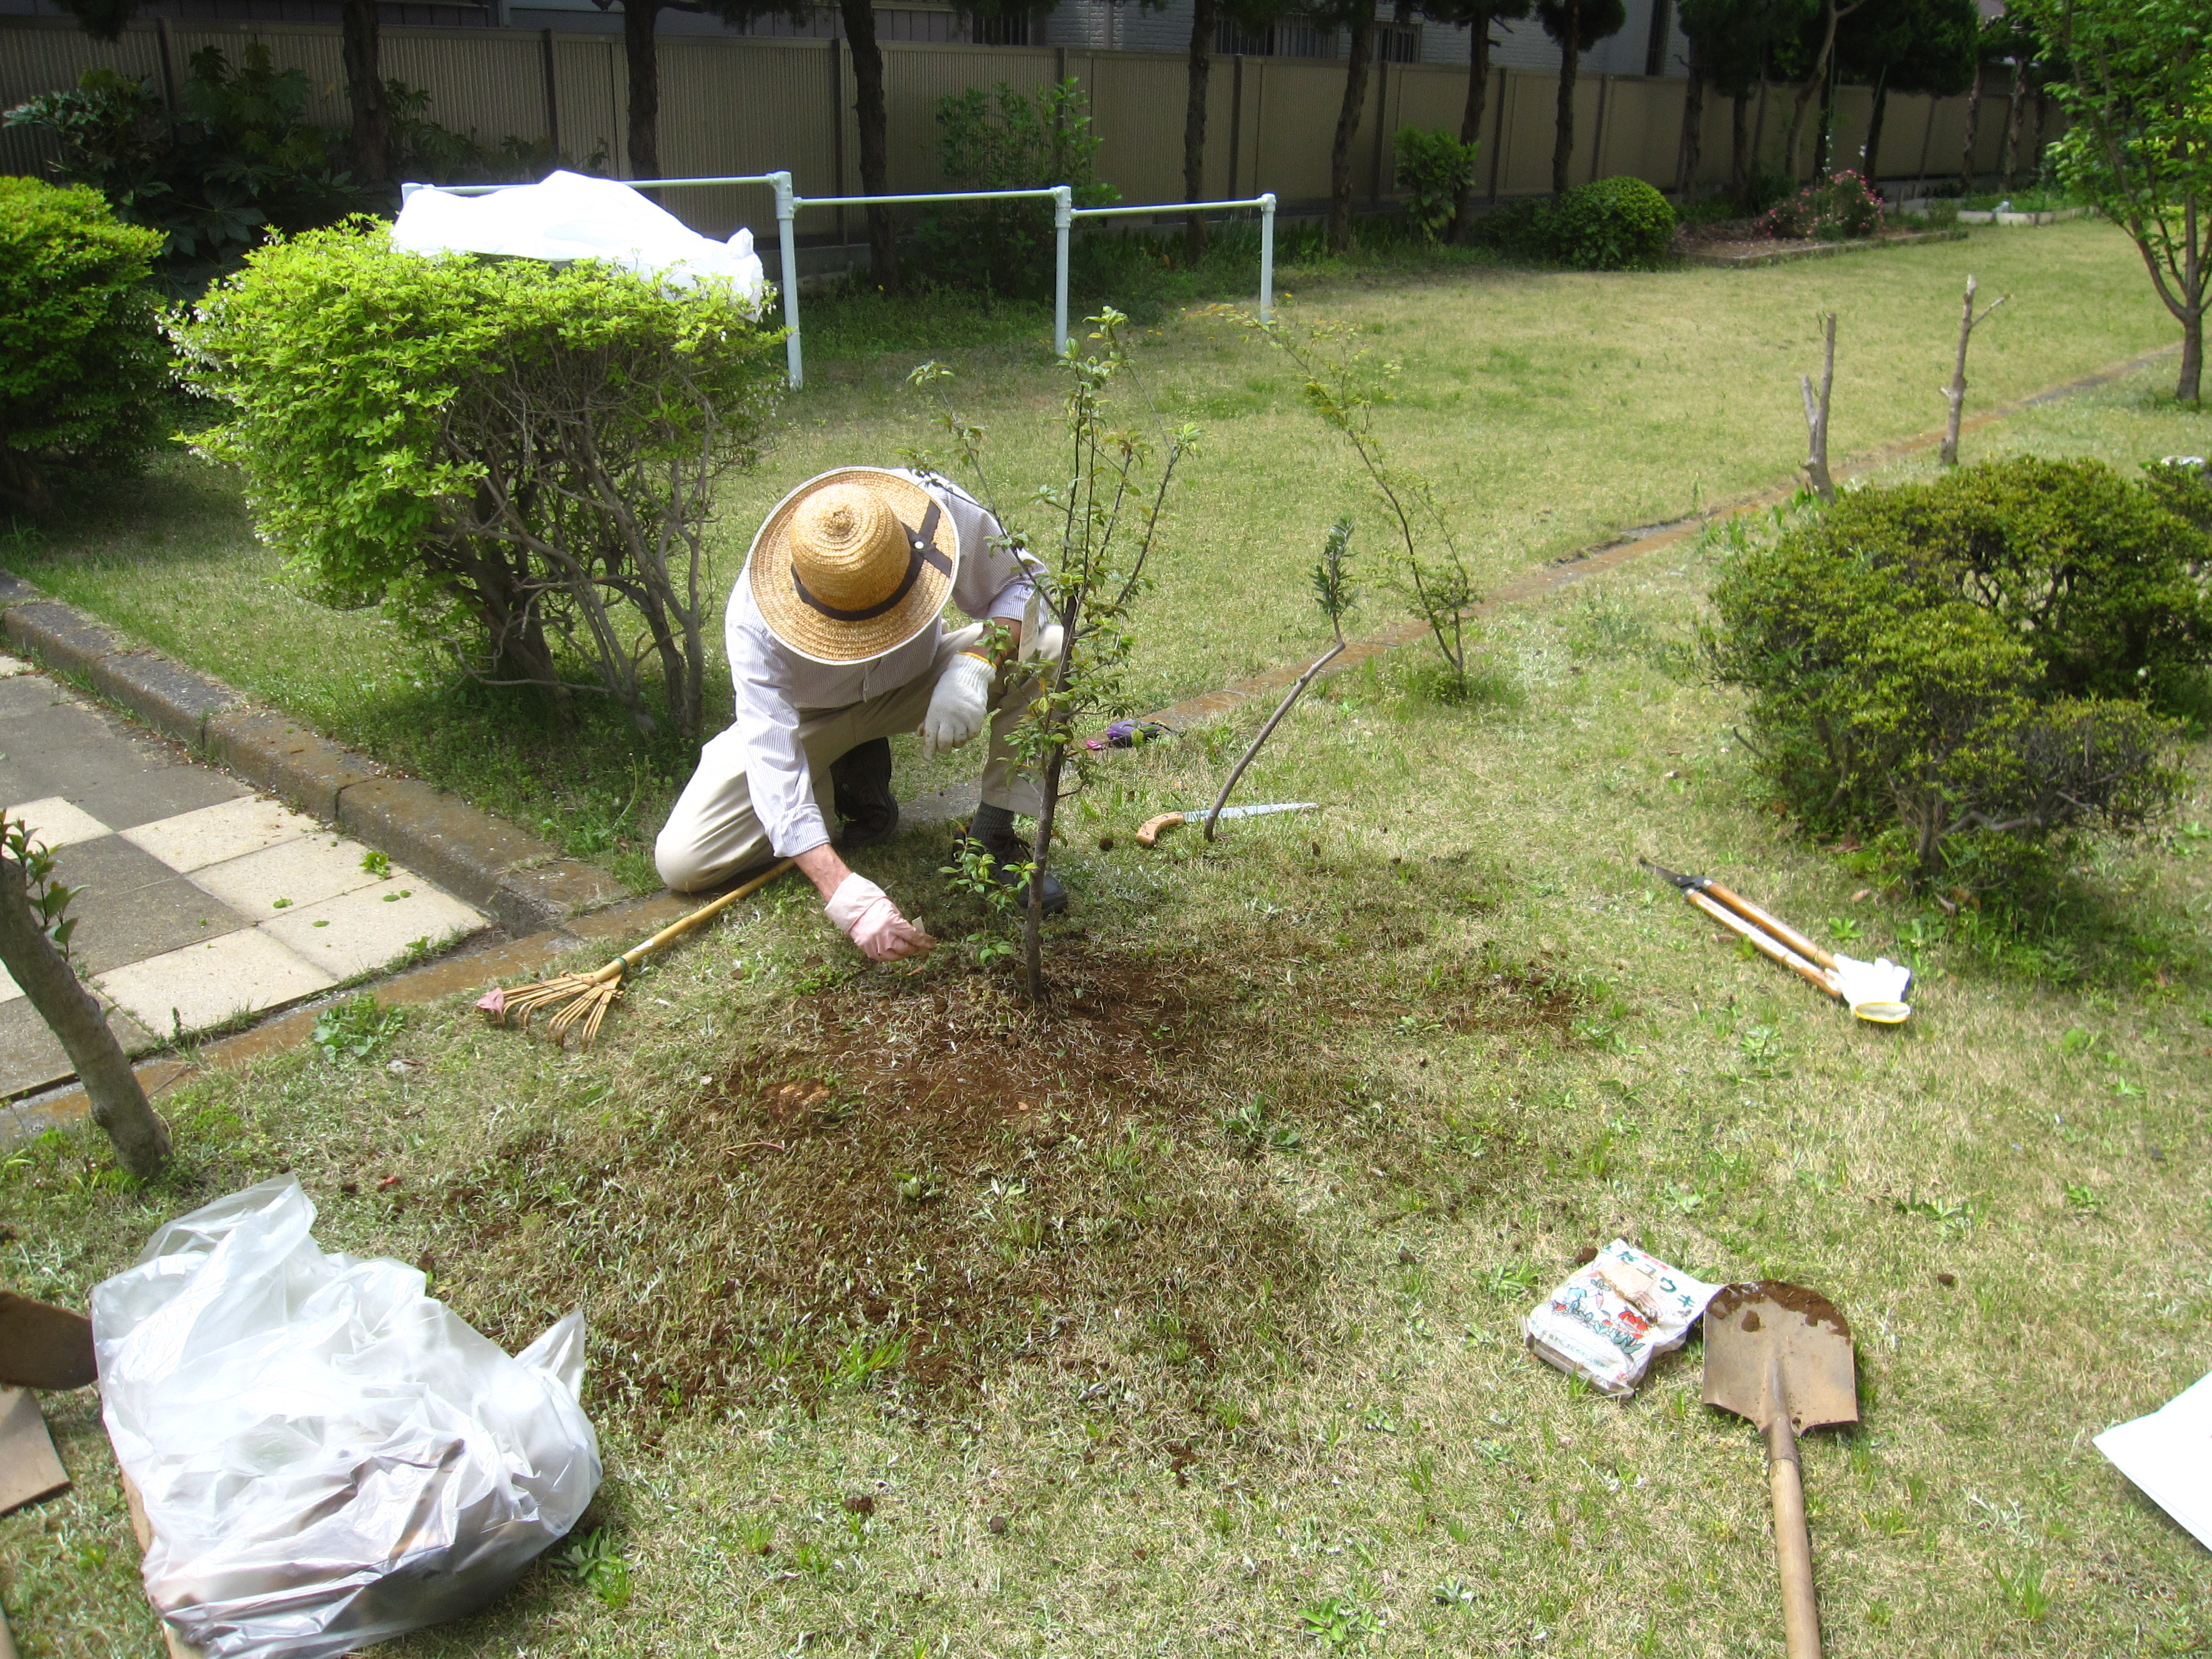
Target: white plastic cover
[(570, 217), (2169, 1454), (1607, 1322), (1873, 990), (327, 1456)]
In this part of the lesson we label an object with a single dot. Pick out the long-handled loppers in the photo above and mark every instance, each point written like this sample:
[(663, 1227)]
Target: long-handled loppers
[(1874, 991)]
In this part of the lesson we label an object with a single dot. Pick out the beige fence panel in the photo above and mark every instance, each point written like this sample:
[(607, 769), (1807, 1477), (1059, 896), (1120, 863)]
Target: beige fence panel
[(1297, 122), (745, 107), (488, 81), (1642, 128), (916, 76), (592, 102), (49, 56), (1138, 101)]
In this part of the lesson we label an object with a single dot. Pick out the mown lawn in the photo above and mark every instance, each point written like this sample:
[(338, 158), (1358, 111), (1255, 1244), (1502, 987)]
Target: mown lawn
[(1552, 409), (1209, 1287)]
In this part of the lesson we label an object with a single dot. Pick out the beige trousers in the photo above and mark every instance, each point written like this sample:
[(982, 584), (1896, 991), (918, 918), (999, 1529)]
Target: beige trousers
[(713, 831)]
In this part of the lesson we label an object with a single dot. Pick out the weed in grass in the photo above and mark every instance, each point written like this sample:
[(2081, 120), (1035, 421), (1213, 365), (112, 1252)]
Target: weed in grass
[(356, 1028), (594, 1562), (2025, 1592), (1338, 1622)]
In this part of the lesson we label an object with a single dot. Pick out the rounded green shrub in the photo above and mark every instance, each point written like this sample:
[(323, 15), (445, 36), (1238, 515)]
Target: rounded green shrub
[(1968, 673), (516, 460), (81, 358), (1610, 224)]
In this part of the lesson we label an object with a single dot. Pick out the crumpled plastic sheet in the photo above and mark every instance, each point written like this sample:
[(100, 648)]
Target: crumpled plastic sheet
[(568, 215), (328, 1457)]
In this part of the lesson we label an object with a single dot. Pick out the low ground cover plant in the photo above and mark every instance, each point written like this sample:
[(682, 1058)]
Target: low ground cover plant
[(516, 463), (1975, 673), (82, 360)]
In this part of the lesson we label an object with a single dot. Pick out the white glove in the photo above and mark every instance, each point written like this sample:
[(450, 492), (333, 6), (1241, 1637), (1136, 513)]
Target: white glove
[(871, 922), (1873, 990), (1040, 644), (958, 705)]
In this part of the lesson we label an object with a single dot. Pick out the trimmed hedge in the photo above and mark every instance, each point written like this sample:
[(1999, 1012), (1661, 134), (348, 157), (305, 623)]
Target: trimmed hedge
[(1608, 224), (81, 358)]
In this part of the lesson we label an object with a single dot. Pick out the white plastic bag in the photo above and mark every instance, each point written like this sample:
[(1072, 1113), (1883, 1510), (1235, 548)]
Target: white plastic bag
[(327, 1455), (568, 215), (1608, 1321)]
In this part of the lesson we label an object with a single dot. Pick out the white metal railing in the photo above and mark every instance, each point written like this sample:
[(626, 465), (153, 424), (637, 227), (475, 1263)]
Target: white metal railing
[(1064, 214)]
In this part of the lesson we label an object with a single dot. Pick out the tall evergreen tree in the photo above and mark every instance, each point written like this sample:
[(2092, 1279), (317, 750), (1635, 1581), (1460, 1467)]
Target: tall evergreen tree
[(1909, 47), (1575, 26), (1477, 15)]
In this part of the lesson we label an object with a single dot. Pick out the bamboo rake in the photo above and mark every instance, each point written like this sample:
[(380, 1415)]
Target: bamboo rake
[(582, 999)]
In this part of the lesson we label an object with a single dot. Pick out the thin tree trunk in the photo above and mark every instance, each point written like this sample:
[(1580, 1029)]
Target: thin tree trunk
[(372, 114), (1824, 135), (1870, 163), (1956, 391), (874, 123), (1470, 120), (1203, 15), (642, 52), (119, 1106), (1740, 149), (2013, 119), (1816, 417), (1693, 123), (1816, 82), (1563, 143), (1348, 127), (1973, 134), (2189, 388)]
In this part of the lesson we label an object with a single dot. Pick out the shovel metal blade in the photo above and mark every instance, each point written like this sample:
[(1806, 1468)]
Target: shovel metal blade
[(1773, 1347)]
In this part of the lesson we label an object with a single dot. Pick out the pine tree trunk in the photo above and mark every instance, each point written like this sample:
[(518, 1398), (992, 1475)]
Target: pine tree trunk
[(1563, 146), (1693, 123), (2013, 119), (1816, 84), (1823, 135), (1974, 133), (119, 1106), (1203, 15), (642, 52), (1870, 164), (859, 16), (1347, 128), (372, 115), (1470, 120), (1740, 150)]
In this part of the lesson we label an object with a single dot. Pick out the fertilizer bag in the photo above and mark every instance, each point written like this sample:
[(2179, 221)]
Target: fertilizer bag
[(1609, 1321), (327, 1456)]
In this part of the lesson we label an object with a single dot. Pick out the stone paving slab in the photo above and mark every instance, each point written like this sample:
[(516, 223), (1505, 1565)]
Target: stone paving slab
[(201, 901)]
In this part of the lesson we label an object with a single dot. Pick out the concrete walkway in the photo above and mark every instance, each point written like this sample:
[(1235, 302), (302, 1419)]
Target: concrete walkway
[(201, 901)]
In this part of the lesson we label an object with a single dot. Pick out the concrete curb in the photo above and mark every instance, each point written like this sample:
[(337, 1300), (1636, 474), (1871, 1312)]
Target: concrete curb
[(524, 884), (1782, 256)]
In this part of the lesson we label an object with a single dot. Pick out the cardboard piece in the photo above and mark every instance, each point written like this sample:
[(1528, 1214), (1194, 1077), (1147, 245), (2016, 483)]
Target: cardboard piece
[(28, 1468), (2169, 1454), (143, 1529)]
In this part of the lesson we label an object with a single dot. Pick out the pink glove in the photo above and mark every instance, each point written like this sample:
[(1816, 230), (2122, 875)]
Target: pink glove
[(871, 922)]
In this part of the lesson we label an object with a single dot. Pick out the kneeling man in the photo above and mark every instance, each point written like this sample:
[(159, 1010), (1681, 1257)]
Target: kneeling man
[(835, 644)]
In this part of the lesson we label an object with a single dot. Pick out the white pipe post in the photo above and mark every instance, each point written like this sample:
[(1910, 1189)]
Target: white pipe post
[(1267, 257), (787, 225), (1063, 215)]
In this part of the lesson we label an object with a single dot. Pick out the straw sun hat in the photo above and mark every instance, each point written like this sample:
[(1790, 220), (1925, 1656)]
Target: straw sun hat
[(853, 564)]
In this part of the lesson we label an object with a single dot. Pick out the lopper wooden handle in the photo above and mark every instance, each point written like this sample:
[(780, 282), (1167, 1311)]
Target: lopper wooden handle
[(1792, 1542), (1148, 833), (1770, 947), (1773, 924)]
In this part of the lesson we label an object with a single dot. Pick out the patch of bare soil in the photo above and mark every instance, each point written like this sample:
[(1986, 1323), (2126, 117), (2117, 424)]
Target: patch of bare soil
[(923, 1181)]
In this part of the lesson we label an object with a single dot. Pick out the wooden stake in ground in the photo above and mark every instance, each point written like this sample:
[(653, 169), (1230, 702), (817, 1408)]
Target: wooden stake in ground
[(33, 940), (1816, 416), (1956, 391)]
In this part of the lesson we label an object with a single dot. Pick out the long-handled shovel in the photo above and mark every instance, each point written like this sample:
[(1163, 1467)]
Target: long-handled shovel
[(1780, 1355)]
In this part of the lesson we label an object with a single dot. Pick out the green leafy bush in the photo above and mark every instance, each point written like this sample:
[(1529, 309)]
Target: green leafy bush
[(1967, 672), (81, 358), (1433, 170), (1842, 208), (1521, 227), (1610, 224), (2182, 484), (517, 461), (1007, 139)]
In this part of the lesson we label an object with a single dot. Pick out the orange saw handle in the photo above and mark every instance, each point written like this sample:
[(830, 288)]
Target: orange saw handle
[(1766, 946), (1148, 833)]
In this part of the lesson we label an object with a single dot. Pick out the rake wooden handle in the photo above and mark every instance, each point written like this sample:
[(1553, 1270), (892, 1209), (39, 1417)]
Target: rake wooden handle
[(1770, 947), (1148, 833), (1773, 924), (1792, 1542), (684, 924)]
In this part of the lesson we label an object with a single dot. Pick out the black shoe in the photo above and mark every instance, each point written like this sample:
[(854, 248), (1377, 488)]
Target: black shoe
[(861, 782), (1008, 853)]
